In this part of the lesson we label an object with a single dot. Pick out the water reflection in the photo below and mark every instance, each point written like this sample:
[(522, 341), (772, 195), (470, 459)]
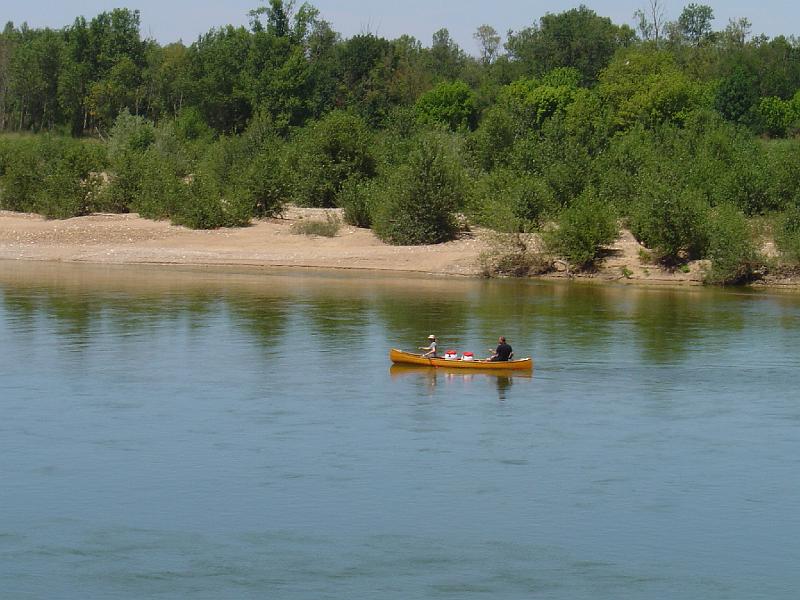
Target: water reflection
[(357, 314), (430, 377)]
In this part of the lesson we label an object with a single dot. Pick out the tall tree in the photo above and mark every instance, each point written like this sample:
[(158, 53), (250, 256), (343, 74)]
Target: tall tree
[(6, 98), (278, 68), (217, 63), (576, 38), (694, 23), (446, 57), (488, 43), (651, 21)]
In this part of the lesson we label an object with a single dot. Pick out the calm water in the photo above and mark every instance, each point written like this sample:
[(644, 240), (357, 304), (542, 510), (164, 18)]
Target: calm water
[(207, 435)]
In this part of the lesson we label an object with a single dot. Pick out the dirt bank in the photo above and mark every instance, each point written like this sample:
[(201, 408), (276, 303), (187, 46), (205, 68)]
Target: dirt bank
[(129, 239)]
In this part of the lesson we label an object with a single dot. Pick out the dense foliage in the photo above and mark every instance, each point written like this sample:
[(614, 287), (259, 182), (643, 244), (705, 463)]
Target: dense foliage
[(576, 125)]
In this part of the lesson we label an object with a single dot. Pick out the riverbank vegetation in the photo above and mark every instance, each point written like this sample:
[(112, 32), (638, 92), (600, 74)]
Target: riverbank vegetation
[(573, 128)]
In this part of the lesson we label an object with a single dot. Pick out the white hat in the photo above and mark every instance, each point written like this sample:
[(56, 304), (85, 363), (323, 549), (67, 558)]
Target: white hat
[(431, 337)]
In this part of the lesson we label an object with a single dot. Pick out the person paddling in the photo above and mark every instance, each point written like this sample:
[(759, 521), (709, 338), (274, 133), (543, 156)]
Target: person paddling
[(503, 352), (431, 348)]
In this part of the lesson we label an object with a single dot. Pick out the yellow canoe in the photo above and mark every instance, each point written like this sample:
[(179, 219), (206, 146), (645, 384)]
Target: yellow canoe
[(404, 370), (409, 358)]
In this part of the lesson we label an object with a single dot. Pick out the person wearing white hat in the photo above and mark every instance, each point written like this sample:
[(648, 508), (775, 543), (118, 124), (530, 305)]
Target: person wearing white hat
[(431, 348)]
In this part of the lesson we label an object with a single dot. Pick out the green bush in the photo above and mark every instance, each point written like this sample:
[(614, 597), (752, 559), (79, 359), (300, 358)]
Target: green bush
[(745, 184), (160, 192), (783, 172), (506, 201), (262, 182), (53, 176), (180, 154), (788, 233), (7, 149), (124, 188), (129, 134), (359, 197), (22, 176), (730, 246), (61, 194), (583, 229), (773, 116), (669, 219), (190, 126), (208, 207), (563, 163), (489, 201), (616, 171), (328, 153), (449, 103), (131, 139), (492, 142), (423, 194)]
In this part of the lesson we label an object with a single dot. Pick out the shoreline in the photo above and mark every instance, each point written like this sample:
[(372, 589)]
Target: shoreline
[(127, 239)]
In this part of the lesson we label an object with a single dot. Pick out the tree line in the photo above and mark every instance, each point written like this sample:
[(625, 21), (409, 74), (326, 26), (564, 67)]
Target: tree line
[(686, 134)]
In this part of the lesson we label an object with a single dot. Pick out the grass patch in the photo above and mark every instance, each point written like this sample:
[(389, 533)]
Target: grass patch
[(327, 228), (513, 255)]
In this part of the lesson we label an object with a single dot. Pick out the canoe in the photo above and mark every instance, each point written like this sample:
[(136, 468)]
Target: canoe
[(409, 358), (398, 370)]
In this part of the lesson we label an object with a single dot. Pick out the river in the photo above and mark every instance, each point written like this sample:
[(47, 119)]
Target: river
[(176, 432)]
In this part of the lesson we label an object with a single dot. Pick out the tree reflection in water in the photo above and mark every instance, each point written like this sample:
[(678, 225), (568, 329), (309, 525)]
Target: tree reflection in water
[(430, 377)]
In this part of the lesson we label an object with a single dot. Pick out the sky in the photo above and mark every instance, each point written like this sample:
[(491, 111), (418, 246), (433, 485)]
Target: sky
[(171, 20)]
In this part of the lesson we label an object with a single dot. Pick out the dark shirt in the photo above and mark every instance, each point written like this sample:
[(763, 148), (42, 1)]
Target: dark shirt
[(503, 352)]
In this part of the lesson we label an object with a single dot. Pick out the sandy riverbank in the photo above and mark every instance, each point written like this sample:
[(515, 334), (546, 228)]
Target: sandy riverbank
[(129, 239)]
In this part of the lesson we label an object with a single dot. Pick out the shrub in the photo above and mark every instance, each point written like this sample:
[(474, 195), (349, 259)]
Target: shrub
[(60, 195), (124, 187), (327, 154), (7, 149), (449, 103), (745, 183), (491, 143), (131, 137), (583, 229), (513, 255), (52, 176), (224, 160), (773, 115), (489, 201), (788, 233), (669, 220), (358, 197), (563, 163), (169, 144), (129, 133), (423, 194), (730, 246), (263, 184), (207, 206), (190, 125), (22, 176), (617, 170), (327, 228), (783, 172), (160, 192), (505, 201)]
